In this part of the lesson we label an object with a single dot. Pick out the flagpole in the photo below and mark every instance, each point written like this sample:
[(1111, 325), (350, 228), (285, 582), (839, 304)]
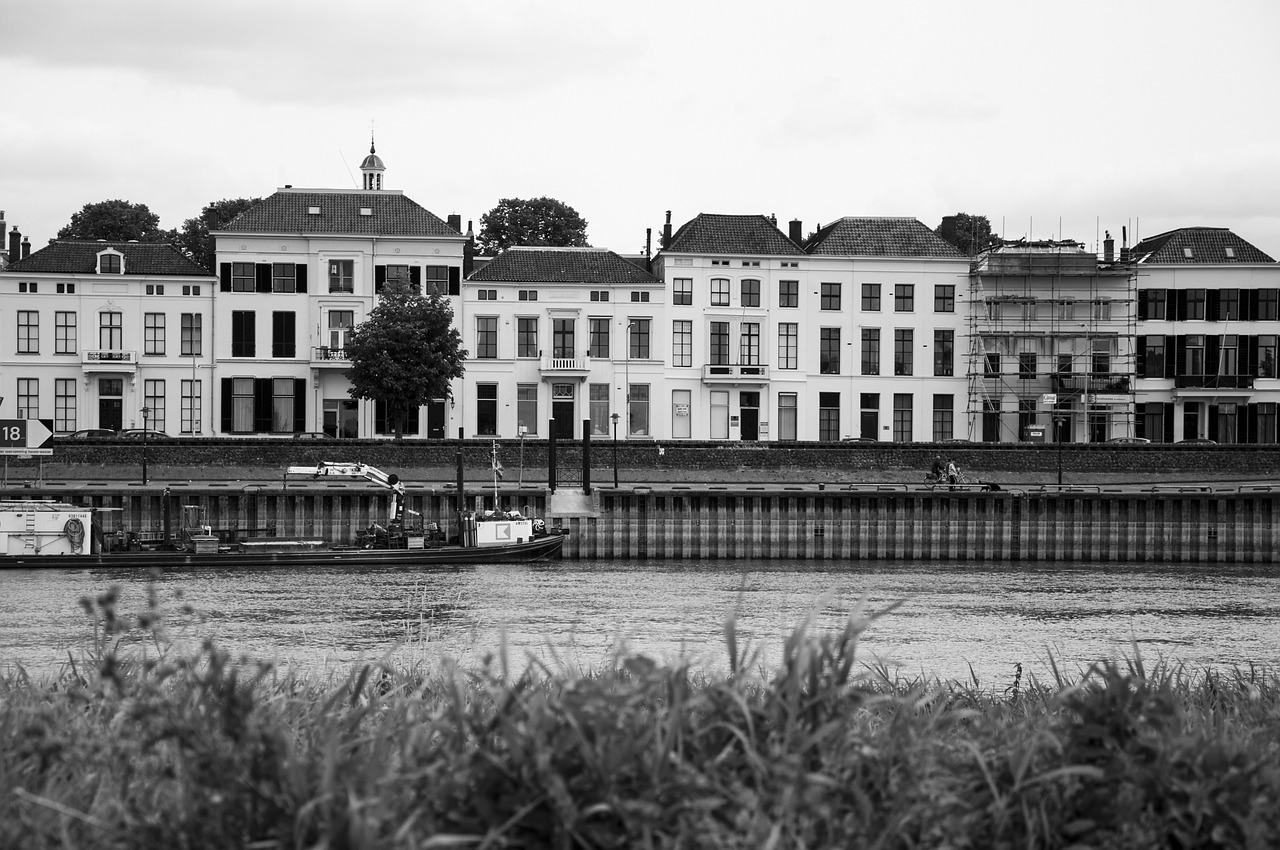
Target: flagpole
[(493, 464)]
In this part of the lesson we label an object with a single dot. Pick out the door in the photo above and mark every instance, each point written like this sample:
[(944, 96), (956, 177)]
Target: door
[(111, 403), (436, 419), (562, 412), (870, 425), (749, 408)]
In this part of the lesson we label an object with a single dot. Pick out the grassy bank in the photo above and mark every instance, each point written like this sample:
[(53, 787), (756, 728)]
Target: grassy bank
[(137, 745)]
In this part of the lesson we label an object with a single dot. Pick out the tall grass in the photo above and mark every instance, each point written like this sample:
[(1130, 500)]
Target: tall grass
[(139, 744)]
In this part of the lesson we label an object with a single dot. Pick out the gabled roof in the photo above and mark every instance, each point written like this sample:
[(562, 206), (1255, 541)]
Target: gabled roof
[(79, 256), (562, 265), (709, 233), (1207, 244), (880, 237), (288, 211)]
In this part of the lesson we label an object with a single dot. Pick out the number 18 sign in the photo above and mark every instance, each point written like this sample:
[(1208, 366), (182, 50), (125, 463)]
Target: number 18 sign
[(26, 437)]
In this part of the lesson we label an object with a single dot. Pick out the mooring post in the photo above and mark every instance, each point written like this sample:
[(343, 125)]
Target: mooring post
[(586, 456), (551, 454)]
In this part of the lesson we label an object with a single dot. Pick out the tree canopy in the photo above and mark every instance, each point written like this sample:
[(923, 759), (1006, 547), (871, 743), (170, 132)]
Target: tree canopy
[(405, 353), (115, 221), (193, 237), (969, 233), (538, 221)]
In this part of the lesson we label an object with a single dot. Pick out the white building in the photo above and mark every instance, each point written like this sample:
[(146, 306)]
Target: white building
[(296, 272), (98, 332)]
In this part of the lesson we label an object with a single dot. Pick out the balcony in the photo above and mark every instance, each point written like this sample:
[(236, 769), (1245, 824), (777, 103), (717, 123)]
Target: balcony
[(109, 360), (1213, 382), (322, 356), (564, 367), (735, 374)]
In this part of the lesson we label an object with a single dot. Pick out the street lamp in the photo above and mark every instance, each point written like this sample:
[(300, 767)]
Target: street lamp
[(146, 412), (1059, 419), (614, 417)]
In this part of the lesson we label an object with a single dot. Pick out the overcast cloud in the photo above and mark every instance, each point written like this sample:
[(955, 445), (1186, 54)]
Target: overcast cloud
[(1064, 119)]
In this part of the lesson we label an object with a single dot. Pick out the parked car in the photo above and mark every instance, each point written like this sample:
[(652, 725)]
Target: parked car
[(312, 435), (142, 433), (1128, 441), (1198, 441), (90, 434)]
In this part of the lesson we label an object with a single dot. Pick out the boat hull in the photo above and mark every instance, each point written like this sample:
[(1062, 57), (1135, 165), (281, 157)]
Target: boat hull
[(538, 549)]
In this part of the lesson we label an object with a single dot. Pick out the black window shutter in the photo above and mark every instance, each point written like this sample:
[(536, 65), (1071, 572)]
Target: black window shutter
[(263, 270), (1180, 305), (1142, 304), (299, 404), (1141, 356), (262, 404), (1168, 422), (455, 280), (379, 277), (224, 272), (415, 278), (300, 277), (1248, 304), (283, 337), (1213, 305), (228, 405), (379, 417), (1140, 419), (1213, 422), (1249, 424), (1212, 355), (1174, 350)]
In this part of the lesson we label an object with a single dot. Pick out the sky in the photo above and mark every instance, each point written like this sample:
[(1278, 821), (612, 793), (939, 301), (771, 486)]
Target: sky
[(1054, 120)]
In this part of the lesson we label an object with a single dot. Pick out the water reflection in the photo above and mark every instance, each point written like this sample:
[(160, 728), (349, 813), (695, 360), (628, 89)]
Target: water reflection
[(952, 616)]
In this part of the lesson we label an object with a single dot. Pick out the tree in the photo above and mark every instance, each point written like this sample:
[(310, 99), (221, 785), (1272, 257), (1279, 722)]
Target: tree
[(540, 221), (115, 221), (970, 233), (405, 353), (193, 237)]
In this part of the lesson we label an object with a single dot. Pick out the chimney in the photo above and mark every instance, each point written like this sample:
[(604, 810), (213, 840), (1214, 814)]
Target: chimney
[(796, 230), (26, 247), (666, 231), (648, 243), (773, 219), (1108, 247), (15, 245), (455, 221), (1124, 244), (470, 233)]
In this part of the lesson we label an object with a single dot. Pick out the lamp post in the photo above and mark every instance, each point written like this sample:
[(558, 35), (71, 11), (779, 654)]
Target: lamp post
[(146, 413), (1059, 419), (614, 417)]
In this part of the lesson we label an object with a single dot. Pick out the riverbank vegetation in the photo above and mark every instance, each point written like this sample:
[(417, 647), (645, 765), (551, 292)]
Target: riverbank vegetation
[(139, 744)]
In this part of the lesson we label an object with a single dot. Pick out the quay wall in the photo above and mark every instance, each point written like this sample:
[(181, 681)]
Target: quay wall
[(742, 523)]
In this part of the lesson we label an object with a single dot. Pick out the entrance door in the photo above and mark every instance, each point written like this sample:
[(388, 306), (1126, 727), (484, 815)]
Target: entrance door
[(870, 425), (436, 419), (749, 407), (562, 412), (341, 418), (111, 403)]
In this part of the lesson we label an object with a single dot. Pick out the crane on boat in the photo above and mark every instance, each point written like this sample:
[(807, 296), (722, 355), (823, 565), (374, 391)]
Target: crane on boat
[(359, 470)]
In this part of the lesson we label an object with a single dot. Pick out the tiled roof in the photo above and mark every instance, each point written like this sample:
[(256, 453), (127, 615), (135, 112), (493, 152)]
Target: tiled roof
[(880, 237), (708, 233), (287, 211), (561, 265), (75, 256), (1207, 244)]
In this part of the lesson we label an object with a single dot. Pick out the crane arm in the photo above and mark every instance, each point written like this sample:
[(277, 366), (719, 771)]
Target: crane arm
[(349, 470)]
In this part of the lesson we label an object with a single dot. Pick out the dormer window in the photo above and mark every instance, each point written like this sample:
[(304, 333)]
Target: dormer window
[(1231, 252), (313, 211), (110, 262), (1187, 253)]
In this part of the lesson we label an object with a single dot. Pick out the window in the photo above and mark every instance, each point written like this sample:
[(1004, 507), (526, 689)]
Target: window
[(243, 277), (1064, 363), (243, 343), (487, 408), (65, 338), (681, 292), (384, 424), (436, 280), (830, 296), (598, 338), (284, 341), (828, 416), (1268, 305), (562, 337), (943, 417), (993, 310), (750, 292), (283, 277), (242, 405), (1155, 301), (527, 408), (1266, 422), (944, 353), (487, 294), (400, 274), (639, 340), (871, 297), (788, 345), (191, 397), (718, 354), (66, 289), (1229, 305), (638, 409), (192, 334), (788, 293), (1267, 356), (527, 295), (1195, 304), (342, 276), (1066, 310), (903, 356), (749, 344), (904, 298), (1026, 417), (153, 398), (719, 262), (28, 332), (64, 405), (340, 323), (153, 333), (1101, 365), (186, 290), (640, 297), (109, 264), (829, 351), (28, 398), (598, 406), (1194, 363), (1102, 309), (681, 414), (486, 337), (991, 366), (871, 351), (719, 292), (682, 342), (24, 286), (1026, 365), (155, 289), (111, 331), (787, 417), (902, 417), (526, 337), (599, 295), (944, 298), (1229, 355), (719, 411), (1152, 355)]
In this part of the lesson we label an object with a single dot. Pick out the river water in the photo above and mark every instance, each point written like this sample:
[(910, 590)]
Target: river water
[(951, 619)]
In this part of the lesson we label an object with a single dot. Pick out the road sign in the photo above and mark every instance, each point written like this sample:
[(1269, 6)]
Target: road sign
[(26, 436)]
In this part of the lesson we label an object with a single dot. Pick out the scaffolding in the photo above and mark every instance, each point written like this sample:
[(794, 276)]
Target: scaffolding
[(1051, 344)]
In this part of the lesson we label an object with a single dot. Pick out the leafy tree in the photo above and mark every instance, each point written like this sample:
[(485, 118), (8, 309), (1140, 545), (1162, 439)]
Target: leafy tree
[(405, 353), (193, 237), (115, 221), (539, 221), (970, 233)]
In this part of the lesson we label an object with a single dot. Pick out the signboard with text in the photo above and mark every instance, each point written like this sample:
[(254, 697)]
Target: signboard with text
[(26, 436)]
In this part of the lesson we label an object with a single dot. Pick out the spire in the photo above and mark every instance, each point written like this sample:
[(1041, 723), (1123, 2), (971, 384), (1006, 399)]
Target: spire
[(372, 168)]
